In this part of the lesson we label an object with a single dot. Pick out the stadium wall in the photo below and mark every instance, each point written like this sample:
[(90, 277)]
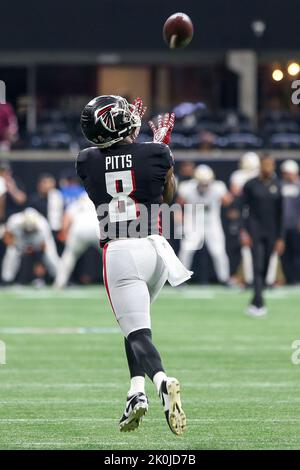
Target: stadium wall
[(27, 165)]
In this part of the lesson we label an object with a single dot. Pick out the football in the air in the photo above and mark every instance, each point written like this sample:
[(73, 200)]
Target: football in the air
[(178, 30)]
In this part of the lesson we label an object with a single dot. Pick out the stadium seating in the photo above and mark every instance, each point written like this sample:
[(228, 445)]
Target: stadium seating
[(196, 129)]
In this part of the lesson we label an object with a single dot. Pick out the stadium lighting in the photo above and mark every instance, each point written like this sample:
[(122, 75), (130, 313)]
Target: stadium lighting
[(277, 75), (258, 28), (293, 69)]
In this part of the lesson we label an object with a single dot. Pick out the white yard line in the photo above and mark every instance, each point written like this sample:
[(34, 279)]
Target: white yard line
[(58, 330)]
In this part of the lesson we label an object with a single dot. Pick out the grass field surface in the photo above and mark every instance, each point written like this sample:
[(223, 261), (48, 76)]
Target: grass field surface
[(65, 379)]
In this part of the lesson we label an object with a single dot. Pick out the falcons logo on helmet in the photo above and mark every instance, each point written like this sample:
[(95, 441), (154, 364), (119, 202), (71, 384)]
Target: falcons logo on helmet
[(106, 115)]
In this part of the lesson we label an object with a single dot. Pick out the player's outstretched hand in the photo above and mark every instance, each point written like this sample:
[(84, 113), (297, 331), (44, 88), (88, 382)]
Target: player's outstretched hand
[(140, 109), (165, 124)]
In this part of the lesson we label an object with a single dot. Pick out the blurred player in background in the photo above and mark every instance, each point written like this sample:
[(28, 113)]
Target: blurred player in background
[(185, 171), (127, 182), (262, 226), (204, 189), (248, 169), (80, 230), (291, 205), (48, 201), (69, 186), (27, 232)]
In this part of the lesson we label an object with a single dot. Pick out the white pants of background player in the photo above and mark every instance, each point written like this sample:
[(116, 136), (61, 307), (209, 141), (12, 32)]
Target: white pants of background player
[(248, 267), (133, 274), (13, 256), (214, 238), (82, 235)]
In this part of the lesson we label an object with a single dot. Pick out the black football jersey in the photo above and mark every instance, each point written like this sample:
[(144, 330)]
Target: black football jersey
[(126, 183)]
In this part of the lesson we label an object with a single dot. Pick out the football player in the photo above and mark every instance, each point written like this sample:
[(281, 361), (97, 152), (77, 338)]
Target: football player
[(80, 230), (204, 189), (127, 182), (248, 168), (262, 228), (27, 232)]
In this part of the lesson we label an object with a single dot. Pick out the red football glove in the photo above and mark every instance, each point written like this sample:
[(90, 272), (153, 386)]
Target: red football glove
[(139, 107), (165, 124)]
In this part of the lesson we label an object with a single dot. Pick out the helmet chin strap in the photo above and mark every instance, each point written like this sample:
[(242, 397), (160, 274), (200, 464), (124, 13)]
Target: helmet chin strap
[(131, 138)]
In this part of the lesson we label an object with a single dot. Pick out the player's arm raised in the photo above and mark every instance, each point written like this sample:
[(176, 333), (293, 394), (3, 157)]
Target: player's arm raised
[(162, 134)]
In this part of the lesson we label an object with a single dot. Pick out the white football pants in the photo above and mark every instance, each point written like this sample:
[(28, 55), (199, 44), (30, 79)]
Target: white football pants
[(81, 237), (214, 239), (248, 267), (133, 274), (13, 256)]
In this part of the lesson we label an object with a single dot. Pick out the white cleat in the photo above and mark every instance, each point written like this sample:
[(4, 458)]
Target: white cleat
[(254, 311), (170, 397), (135, 409)]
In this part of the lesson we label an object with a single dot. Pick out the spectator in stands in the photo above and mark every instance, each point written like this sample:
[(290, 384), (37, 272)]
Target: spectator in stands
[(12, 198), (207, 139), (13, 195), (291, 218), (8, 127), (48, 200)]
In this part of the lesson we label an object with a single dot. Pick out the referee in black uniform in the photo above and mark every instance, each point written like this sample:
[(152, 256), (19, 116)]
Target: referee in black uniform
[(262, 227)]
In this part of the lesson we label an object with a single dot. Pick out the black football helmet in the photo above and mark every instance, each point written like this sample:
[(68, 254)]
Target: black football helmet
[(108, 119)]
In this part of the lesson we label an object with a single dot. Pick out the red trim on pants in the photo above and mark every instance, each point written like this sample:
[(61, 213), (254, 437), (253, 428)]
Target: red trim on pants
[(105, 276)]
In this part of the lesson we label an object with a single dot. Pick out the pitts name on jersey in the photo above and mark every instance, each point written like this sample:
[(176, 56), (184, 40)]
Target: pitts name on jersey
[(121, 181), (117, 162)]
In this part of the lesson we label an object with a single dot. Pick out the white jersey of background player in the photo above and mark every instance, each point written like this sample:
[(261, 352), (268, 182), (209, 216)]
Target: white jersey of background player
[(204, 189), (249, 168), (24, 231), (81, 229)]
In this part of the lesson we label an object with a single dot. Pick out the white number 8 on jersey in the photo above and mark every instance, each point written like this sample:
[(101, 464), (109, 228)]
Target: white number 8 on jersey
[(121, 185)]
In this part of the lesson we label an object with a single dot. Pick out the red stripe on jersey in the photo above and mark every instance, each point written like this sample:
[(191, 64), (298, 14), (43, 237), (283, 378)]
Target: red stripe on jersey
[(119, 186), (105, 276)]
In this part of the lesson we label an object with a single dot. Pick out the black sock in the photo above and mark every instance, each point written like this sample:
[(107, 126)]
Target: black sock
[(145, 352), (135, 368)]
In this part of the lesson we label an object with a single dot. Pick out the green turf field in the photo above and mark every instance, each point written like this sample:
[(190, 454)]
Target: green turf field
[(65, 380)]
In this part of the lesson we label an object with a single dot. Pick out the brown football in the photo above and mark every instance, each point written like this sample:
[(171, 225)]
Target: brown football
[(178, 30)]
